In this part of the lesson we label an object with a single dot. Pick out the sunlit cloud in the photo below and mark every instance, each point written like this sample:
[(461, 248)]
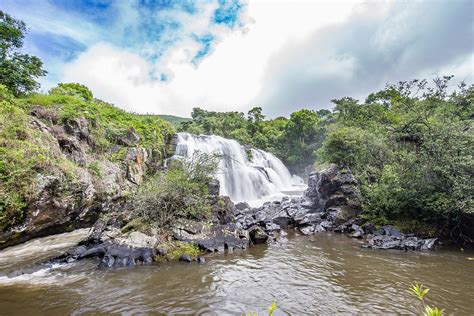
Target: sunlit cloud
[(171, 56)]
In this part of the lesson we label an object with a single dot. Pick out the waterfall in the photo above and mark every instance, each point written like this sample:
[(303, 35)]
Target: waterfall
[(242, 179)]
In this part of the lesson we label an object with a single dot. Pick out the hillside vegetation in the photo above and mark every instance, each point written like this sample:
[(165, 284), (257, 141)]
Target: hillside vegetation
[(175, 120), (409, 145), (28, 149)]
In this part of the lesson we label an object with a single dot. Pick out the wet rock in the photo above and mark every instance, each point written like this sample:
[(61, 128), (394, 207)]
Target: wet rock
[(224, 210), (281, 221), (307, 219), (185, 258), (270, 227), (137, 239), (211, 237), (429, 244), (161, 251), (242, 206), (368, 228), (307, 230), (357, 234), (201, 259), (258, 235), (401, 242), (122, 255), (390, 230)]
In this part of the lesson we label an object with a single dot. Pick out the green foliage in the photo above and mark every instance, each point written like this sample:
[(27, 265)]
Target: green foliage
[(137, 224), (108, 122), (95, 168), (24, 152), (410, 146), (175, 120), (18, 72), (181, 248), (293, 140), (200, 167), (272, 309), (180, 192), (74, 89), (420, 292)]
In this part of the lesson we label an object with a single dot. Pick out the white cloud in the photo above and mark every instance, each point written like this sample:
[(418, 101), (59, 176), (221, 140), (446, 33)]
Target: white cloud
[(230, 78), (290, 54)]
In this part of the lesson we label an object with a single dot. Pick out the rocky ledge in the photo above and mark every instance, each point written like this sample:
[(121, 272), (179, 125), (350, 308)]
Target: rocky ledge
[(331, 203)]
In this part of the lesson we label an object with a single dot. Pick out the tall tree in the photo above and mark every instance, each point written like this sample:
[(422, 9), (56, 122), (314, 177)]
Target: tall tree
[(18, 72)]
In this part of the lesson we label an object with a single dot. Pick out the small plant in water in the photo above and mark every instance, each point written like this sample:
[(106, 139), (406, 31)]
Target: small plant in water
[(420, 292), (271, 309)]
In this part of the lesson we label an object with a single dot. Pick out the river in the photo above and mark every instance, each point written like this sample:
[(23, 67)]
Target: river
[(325, 274)]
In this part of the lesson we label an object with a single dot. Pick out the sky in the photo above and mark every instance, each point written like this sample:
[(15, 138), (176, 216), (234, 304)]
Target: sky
[(167, 57)]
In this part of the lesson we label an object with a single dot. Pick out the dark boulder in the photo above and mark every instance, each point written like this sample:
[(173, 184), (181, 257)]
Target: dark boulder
[(401, 242), (335, 193), (185, 258), (368, 228), (211, 237), (390, 230), (223, 209), (258, 235), (123, 255)]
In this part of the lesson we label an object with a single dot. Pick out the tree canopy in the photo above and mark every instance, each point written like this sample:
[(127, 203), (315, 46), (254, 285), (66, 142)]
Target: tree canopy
[(18, 72)]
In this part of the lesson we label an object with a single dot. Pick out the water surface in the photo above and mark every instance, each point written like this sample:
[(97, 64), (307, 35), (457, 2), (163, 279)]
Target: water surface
[(325, 274)]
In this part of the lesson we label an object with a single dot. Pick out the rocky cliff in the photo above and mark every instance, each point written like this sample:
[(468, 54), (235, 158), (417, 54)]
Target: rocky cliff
[(76, 178)]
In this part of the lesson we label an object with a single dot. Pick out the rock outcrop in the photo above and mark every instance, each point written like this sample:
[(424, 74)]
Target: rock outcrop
[(335, 193), (74, 196), (332, 197)]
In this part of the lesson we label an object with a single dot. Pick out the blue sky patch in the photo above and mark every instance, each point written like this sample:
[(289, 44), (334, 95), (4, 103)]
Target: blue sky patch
[(206, 42), (228, 12), (62, 29)]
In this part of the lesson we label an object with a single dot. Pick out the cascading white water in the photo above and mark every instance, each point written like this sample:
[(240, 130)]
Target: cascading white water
[(240, 178)]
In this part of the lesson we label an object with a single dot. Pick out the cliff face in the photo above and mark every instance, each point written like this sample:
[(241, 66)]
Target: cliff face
[(78, 180)]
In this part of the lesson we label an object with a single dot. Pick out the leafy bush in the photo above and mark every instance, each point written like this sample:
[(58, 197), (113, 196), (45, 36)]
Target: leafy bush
[(73, 89), (412, 153), (180, 192)]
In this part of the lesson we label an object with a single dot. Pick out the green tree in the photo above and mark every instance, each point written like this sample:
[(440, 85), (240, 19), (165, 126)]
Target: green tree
[(18, 72), (410, 146), (74, 89), (301, 137)]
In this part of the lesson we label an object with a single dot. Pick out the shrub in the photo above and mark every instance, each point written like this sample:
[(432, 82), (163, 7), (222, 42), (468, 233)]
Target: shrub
[(180, 192), (74, 89), (410, 146)]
